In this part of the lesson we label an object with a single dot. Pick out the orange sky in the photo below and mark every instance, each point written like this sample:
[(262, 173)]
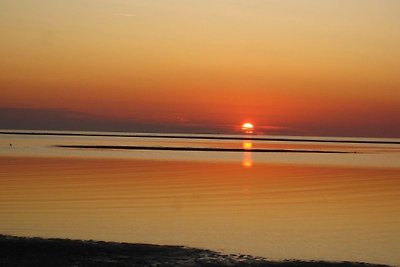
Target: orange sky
[(292, 67)]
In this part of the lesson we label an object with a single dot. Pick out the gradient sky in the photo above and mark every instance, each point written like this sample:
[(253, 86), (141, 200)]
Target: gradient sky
[(297, 67)]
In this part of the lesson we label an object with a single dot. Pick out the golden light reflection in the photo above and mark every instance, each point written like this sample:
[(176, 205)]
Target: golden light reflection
[(247, 145), (247, 160), (145, 200)]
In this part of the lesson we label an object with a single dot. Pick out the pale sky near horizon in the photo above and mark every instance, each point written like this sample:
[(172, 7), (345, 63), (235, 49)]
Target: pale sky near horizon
[(307, 67)]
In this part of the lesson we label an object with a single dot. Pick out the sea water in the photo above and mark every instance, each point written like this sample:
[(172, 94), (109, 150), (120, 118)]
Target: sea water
[(306, 204)]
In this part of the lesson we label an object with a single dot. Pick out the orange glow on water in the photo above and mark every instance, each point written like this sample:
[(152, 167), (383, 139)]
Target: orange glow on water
[(247, 145), (92, 194), (247, 160)]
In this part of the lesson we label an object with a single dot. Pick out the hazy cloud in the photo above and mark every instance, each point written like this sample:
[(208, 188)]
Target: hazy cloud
[(60, 119)]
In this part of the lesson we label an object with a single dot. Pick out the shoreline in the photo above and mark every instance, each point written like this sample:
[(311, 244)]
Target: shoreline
[(193, 136), (35, 251), (203, 149)]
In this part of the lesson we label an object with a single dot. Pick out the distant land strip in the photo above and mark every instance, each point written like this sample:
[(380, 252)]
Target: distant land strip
[(27, 251), (255, 138), (209, 149)]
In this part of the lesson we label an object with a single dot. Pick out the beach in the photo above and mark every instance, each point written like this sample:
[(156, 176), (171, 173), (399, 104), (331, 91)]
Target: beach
[(22, 251)]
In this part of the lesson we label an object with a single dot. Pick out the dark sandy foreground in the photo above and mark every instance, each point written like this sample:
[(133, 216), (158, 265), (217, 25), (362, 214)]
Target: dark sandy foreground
[(20, 251)]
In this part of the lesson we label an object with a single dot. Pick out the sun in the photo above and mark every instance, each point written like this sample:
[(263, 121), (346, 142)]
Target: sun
[(248, 128)]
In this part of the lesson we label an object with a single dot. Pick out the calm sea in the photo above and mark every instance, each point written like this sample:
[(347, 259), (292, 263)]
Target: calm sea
[(291, 200)]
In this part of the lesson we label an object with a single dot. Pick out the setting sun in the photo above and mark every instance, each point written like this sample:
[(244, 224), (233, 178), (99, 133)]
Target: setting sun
[(248, 127)]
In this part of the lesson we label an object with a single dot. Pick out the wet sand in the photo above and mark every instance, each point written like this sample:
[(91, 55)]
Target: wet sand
[(23, 251), (204, 149)]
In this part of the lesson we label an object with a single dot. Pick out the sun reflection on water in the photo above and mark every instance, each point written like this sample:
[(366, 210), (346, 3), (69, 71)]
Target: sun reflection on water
[(247, 160)]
